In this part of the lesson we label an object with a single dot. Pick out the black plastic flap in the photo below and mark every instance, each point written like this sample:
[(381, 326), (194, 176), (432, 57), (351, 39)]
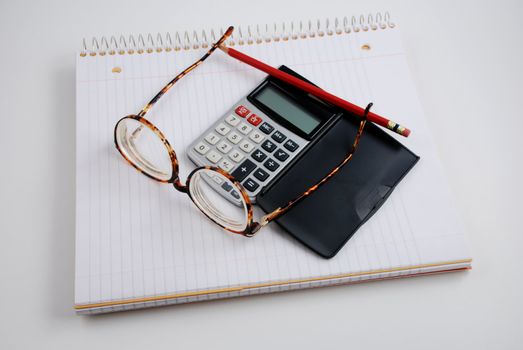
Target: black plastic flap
[(329, 217)]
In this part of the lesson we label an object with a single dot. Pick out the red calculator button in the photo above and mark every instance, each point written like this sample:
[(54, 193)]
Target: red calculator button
[(254, 120), (242, 111)]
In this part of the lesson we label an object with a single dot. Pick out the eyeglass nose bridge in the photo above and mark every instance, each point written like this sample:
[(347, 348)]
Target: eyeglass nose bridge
[(179, 186), (175, 178)]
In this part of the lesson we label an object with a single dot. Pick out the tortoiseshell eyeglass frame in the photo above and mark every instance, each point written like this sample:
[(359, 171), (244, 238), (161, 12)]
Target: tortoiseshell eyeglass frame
[(252, 226)]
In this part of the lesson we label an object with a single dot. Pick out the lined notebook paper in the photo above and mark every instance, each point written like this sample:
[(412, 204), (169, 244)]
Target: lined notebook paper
[(140, 243)]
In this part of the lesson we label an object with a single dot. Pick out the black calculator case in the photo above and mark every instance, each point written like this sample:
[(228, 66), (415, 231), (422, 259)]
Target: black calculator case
[(327, 219)]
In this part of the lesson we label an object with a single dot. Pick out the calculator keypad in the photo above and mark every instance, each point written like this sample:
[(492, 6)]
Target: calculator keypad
[(248, 147)]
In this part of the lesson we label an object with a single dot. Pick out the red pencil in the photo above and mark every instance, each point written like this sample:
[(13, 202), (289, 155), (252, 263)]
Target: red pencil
[(321, 94)]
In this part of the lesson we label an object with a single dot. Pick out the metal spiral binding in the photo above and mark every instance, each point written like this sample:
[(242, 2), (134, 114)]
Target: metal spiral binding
[(250, 35)]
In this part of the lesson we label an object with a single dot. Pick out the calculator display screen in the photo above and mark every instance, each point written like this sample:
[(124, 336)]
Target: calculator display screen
[(288, 109)]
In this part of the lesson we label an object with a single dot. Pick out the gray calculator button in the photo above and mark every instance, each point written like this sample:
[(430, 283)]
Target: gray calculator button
[(256, 136), (201, 148), (236, 155), (232, 120), (222, 129), (217, 179), (246, 146), (224, 147), (213, 156), (234, 137), (212, 138), (244, 128), (269, 146), (226, 165), (281, 155)]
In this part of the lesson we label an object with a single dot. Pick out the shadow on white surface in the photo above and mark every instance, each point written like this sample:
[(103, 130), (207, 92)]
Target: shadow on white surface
[(62, 203)]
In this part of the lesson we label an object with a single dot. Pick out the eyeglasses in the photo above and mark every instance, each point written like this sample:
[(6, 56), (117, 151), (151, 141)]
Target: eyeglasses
[(146, 148)]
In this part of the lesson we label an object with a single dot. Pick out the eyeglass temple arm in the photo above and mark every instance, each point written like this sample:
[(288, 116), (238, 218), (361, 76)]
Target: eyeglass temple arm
[(264, 220), (166, 88)]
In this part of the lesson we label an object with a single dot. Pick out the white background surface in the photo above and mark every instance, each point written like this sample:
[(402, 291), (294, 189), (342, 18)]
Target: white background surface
[(466, 59)]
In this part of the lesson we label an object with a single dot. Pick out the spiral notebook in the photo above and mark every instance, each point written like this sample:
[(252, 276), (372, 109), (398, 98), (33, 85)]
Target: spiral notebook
[(141, 244)]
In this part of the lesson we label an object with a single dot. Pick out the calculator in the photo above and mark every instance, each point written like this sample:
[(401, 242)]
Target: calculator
[(261, 135)]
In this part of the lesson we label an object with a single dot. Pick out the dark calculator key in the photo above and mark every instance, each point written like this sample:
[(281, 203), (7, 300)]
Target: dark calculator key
[(291, 145), (226, 186), (250, 185), (235, 194), (278, 137), (281, 155), (271, 164), (259, 155), (261, 174), (266, 128), (269, 146), (243, 170)]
